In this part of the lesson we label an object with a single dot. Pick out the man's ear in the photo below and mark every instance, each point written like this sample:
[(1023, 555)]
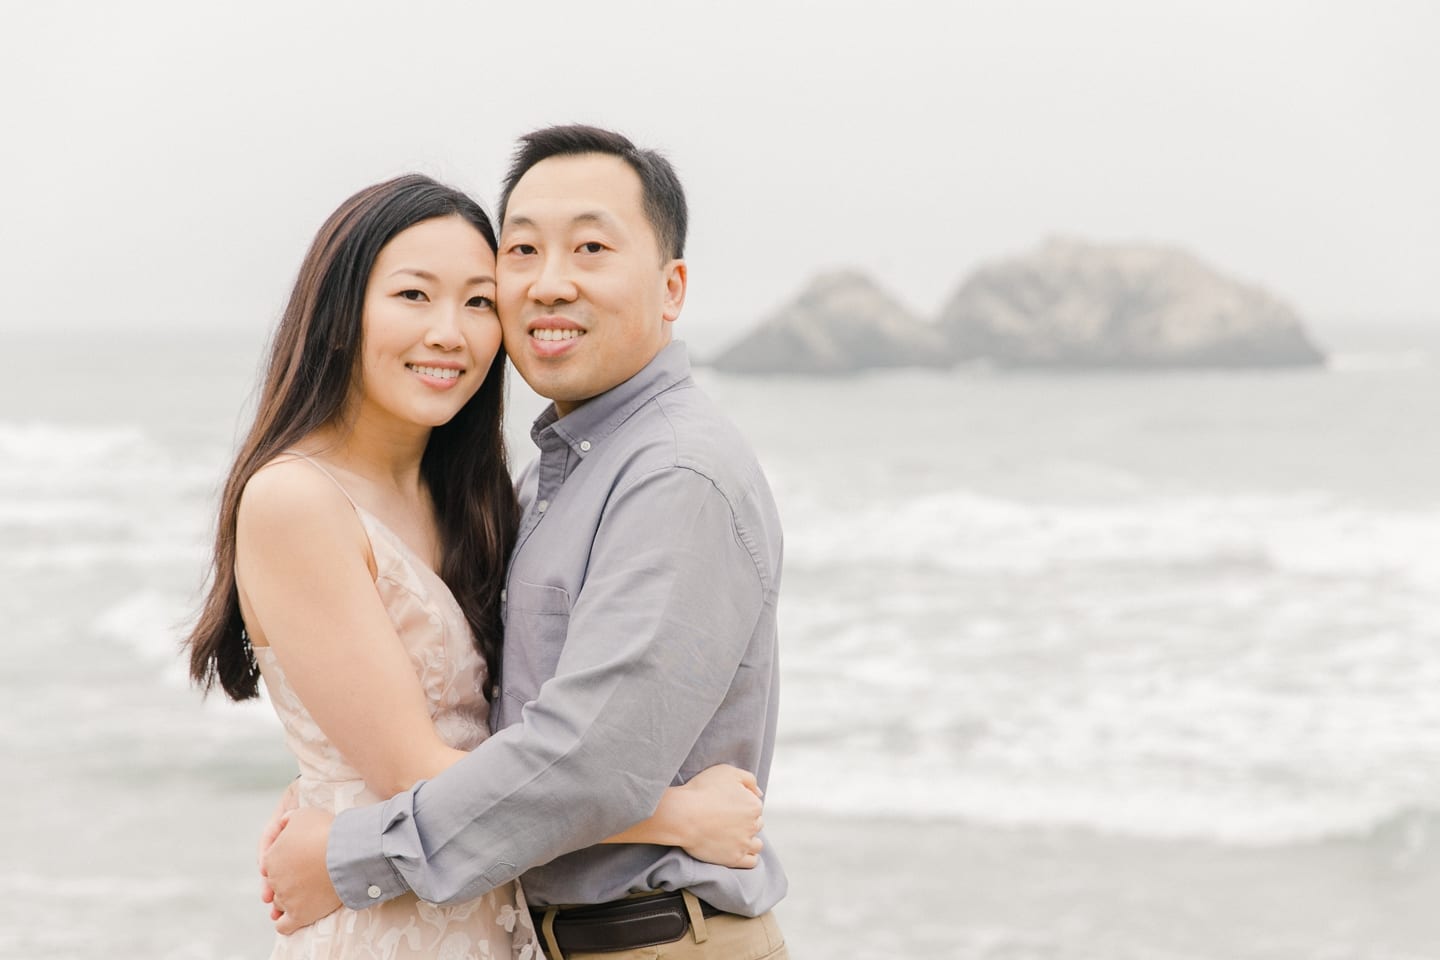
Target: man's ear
[(676, 277)]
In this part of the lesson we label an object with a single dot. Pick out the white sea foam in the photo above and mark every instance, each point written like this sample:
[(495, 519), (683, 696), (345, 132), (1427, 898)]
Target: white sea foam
[(1253, 670), (58, 445), (56, 453), (48, 513), (73, 498), (1241, 816), (149, 622), (152, 624), (963, 532)]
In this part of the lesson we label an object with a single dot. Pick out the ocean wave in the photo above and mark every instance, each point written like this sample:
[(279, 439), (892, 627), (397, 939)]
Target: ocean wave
[(1228, 706), (74, 558), (962, 532), (37, 442), (1248, 816), (85, 455), (48, 512), (151, 625), (75, 497)]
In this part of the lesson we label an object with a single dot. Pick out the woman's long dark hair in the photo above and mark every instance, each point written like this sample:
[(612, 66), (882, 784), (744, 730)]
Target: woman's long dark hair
[(313, 363)]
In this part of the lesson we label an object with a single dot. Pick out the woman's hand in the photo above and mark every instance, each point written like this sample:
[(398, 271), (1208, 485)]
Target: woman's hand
[(717, 816), (295, 867), (289, 801)]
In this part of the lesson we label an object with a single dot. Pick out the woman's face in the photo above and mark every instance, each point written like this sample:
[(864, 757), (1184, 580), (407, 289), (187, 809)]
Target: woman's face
[(430, 331)]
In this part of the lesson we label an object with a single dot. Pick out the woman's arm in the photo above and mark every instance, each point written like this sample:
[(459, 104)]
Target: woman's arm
[(715, 817), (303, 563)]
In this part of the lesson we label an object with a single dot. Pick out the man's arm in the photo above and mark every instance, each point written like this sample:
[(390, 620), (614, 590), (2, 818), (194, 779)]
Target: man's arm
[(654, 641)]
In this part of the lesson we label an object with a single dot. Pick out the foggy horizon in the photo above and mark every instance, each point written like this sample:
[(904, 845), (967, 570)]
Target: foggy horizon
[(172, 163)]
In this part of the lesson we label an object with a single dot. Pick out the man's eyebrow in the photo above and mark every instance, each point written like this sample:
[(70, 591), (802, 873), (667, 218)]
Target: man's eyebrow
[(594, 216), (426, 275), (589, 216)]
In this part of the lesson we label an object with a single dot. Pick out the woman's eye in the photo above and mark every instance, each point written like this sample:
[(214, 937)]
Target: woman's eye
[(592, 247), (416, 295), (524, 249), (482, 303)]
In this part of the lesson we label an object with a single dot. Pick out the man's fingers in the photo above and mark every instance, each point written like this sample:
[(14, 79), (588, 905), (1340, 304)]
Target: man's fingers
[(748, 781), (759, 824)]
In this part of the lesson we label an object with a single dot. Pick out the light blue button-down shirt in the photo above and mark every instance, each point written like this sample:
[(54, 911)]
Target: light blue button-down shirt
[(640, 649)]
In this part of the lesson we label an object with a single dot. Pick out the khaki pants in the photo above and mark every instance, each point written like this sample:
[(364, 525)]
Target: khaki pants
[(725, 937)]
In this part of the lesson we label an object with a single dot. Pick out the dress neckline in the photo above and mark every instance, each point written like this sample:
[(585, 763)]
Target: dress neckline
[(406, 551)]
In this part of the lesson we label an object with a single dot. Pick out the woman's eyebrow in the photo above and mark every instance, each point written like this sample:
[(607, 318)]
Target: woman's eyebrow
[(427, 275)]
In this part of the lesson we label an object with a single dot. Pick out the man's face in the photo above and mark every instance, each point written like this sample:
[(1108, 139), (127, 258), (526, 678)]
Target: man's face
[(586, 299)]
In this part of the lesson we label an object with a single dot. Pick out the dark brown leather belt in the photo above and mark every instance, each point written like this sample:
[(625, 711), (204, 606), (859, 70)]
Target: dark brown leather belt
[(621, 924)]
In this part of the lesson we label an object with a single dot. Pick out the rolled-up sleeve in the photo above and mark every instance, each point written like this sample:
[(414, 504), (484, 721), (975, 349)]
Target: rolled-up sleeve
[(655, 637)]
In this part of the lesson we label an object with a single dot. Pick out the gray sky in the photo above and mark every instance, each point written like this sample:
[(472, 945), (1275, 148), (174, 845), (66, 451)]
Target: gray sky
[(165, 164)]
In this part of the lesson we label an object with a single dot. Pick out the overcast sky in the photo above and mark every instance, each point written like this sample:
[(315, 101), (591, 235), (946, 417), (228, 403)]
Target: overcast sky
[(165, 164)]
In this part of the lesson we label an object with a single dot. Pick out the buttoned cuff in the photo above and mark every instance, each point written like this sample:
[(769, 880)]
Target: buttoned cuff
[(362, 840)]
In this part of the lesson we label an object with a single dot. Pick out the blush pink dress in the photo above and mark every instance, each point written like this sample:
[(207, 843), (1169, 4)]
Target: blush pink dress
[(437, 637)]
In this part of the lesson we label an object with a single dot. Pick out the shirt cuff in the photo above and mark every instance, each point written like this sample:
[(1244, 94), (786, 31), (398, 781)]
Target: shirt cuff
[(356, 857)]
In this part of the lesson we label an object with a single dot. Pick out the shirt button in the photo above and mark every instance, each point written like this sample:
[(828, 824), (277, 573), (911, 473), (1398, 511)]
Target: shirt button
[(373, 892), (543, 505), (584, 446)]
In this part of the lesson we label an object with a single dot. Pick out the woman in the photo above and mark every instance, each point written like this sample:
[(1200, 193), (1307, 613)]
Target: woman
[(361, 547)]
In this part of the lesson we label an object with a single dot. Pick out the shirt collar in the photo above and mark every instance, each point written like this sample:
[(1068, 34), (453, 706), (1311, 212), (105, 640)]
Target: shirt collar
[(598, 417)]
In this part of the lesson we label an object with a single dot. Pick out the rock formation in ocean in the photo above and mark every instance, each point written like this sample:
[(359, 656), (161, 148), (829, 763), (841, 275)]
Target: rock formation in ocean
[(841, 323), (1075, 304)]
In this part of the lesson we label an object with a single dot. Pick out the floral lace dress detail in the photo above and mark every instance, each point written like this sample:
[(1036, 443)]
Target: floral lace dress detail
[(437, 637)]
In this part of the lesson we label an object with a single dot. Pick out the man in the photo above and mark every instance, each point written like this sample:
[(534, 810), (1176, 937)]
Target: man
[(639, 608)]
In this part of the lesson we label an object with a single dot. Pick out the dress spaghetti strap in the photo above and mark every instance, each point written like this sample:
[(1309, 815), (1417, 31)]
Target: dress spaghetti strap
[(316, 464)]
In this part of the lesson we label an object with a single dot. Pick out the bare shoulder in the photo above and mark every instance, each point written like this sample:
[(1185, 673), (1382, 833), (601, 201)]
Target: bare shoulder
[(289, 503)]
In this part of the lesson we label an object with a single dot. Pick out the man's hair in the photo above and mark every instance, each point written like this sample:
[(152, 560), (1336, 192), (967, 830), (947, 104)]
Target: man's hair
[(660, 188)]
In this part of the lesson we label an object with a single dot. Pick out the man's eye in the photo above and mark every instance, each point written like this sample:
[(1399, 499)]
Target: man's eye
[(482, 303), (416, 295), (592, 247)]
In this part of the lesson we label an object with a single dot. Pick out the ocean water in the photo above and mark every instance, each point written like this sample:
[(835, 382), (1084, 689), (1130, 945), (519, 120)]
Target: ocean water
[(1193, 608)]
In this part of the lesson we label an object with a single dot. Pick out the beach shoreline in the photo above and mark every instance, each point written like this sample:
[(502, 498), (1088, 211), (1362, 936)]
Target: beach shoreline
[(859, 887), (876, 887)]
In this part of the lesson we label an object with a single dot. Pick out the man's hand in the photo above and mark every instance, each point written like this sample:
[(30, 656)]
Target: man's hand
[(295, 867)]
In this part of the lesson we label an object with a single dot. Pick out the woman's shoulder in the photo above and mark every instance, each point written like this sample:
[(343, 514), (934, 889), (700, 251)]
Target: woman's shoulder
[(290, 499)]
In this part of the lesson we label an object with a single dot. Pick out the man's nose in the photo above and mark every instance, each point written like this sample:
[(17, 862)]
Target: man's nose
[(553, 283)]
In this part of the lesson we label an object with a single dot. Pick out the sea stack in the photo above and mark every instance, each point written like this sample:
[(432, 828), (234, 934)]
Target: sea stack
[(840, 323), (1073, 304)]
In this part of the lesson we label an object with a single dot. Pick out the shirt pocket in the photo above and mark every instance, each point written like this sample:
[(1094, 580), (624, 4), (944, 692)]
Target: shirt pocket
[(537, 618)]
